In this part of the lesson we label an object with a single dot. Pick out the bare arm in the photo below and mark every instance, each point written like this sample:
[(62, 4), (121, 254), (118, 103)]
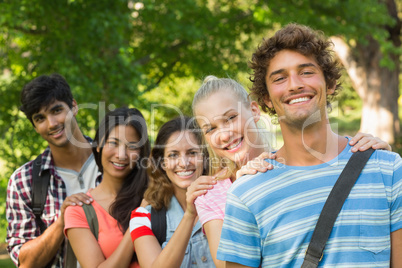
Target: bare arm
[(150, 253), (147, 248), (84, 244), (213, 231), (234, 265), (396, 248), (40, 251)]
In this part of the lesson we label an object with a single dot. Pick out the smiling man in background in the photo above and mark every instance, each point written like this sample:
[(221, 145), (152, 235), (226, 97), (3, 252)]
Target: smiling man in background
[(48, 103)]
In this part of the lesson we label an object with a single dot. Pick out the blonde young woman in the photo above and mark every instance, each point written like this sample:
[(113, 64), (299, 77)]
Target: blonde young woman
[(228, 120)]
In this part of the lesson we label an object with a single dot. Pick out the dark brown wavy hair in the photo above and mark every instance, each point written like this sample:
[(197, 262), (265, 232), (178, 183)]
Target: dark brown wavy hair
[(160, 188), (301, 39), (132, 191)]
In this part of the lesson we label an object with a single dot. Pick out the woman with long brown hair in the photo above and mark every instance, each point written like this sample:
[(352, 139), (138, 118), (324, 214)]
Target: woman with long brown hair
[(121, 145)]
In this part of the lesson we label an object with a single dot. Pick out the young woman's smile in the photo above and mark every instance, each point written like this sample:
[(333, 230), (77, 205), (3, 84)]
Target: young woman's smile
[(183, 161), (120, 152), (229, 126)]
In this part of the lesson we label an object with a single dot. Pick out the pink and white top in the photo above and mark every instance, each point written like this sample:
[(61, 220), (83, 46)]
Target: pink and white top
[(211, 206)]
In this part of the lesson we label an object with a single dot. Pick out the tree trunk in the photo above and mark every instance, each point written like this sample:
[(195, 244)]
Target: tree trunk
[(377, 86), (380, 101)]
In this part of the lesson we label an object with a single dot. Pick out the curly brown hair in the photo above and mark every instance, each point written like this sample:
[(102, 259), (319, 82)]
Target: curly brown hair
[(303, 40), (160, 188)]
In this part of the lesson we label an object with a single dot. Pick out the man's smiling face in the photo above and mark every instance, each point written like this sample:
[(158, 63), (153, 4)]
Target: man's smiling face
[(55, 122), (296, 87)]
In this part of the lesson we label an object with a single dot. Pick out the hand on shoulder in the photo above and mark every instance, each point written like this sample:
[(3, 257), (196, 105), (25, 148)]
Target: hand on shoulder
[(257, 164)]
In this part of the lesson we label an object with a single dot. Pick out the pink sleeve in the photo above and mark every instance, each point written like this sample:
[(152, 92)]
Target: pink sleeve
[(211, 206), (74, 217)]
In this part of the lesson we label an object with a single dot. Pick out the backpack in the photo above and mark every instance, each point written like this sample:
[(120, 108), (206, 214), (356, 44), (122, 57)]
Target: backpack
[(40, 185), (90, 214), (158, 224)]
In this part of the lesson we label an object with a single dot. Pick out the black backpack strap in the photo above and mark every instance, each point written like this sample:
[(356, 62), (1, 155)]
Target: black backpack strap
[(333, 206), (40, 186), (158, 224), (92, 219)]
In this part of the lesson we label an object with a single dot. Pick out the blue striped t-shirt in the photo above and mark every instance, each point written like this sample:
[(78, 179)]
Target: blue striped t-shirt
[(270, 217)]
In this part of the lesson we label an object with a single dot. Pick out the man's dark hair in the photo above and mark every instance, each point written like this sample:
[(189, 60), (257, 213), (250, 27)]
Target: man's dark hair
[(42, 91), (303, 40)]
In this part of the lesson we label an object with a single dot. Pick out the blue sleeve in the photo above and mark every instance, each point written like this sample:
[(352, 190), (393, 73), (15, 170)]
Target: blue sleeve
[(240, 239), (396, 195)]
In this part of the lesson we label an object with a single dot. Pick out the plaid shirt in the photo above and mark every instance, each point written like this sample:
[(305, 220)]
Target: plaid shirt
[(21, 219)]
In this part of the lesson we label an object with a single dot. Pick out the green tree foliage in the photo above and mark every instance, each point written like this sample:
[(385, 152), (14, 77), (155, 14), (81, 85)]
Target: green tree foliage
[(353, 19), (87, 43), (114, 53)]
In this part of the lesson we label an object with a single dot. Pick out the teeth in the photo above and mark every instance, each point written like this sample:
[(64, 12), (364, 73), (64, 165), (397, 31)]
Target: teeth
[(57, 132), (185, 173), (118, 165), (299, 100), (230, 147)]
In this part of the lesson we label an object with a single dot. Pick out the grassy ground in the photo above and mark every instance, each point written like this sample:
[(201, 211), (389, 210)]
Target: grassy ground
[(6, 263)]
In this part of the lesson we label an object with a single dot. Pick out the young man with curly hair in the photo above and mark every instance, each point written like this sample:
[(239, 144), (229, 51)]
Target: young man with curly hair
[(270, 217)]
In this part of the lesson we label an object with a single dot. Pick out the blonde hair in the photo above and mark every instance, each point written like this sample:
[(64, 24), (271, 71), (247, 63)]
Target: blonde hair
[(211, 85), (217, 163)]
